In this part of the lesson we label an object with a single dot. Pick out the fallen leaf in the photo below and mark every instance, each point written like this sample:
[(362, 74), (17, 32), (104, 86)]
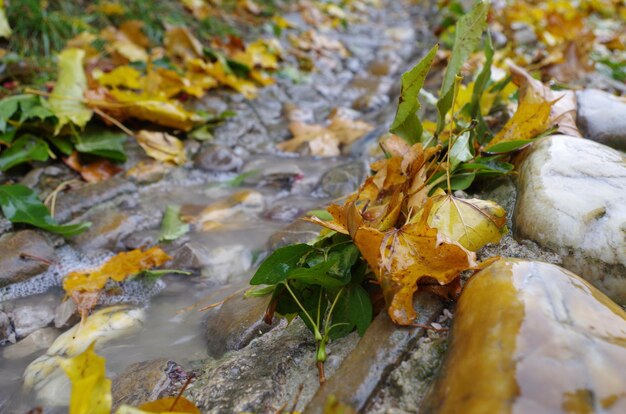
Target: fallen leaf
[(5, 28), (126, 44), (66, 100), (91, 389), (93, 172), (172, 227), (576, 62), (181, 45), (472, 223), (162, 146), (170, 405), (401, 257), (122, 76)]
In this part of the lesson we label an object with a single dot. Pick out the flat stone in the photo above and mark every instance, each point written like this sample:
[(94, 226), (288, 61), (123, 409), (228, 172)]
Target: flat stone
[(146, 381), (218, 159), (66, 314), (382, 348), (531, 337), (602, 117), (29, 318), (36, 341), (237, 322), (108, 228), (571, 198), (24, 254)]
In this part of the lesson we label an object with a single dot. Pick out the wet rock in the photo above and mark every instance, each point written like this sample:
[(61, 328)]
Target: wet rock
[(532, 337), (149, 171), (107, 230), (36, 341), (29, 318), (66, 314), (267, 373), (47, 380), (218, 159), (274, 173), (223, 262), (284, 212), (24, 254), (146, 381), (237, 322), (297, 232), (343, 179), (383, 347), (7, 334), (571, 197), (602, 117)]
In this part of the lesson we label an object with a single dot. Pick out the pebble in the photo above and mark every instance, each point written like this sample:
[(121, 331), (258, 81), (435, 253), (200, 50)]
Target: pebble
[(24, 254)]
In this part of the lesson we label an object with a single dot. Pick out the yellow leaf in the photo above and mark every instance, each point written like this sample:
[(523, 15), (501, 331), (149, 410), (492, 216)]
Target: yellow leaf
[(162, 146), (121, 76), (66, 101), (199, 8), (170, 405), (5, 28), (470, 222), (118, 268), (181, 44), (91, 389), (127, 43), (111, 8), (261, 53)]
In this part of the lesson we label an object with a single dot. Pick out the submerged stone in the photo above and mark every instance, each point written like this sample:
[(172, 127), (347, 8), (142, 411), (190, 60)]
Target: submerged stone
[(571, 198), (531, 337)]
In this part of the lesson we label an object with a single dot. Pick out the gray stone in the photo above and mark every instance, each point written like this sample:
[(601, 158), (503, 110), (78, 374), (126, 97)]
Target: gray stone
[(218, 159), (36, 341), (571, 198), (66, 314), (147, 381), (343, 179), (7, 334), (27, 319), (297, 232), (602, 117), (24, 254), (234, 324), (108, 228), (382, 348)]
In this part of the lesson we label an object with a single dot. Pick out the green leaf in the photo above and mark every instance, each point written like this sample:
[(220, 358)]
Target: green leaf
[(333, 272), (354, 309), (462, 181), (203, 133), (488, 166), (320, 214), (482, 79), (171, 226), (510, 146), (469, 30), (30, 106), (460, 151), (276, 267), (260, 292), (309, 298), (62, 144), (8, 107), (107, 144), (26, 148), (66, 101), (7, 136), (157, 273), (21, 205), (406, 124)]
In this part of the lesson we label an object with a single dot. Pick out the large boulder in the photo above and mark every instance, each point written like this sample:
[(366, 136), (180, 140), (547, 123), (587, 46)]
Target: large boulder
[(571, 198), (602, 117), (531, 337)]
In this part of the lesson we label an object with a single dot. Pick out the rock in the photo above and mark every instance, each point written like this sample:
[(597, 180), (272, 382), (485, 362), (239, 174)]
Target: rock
[(383, 347), (531, 337), (36, 341), (29, 318), (109, 227), (47, 380), (237, 322), (24, 254), (66, 314), (218, 159), (7, 334), (343, 179), (224, 262), (602, 117), (297, 232), (147, 381), (571, 198)]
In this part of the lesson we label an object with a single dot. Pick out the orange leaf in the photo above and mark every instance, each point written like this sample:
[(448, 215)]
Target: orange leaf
[(92, 173), (170, 404)]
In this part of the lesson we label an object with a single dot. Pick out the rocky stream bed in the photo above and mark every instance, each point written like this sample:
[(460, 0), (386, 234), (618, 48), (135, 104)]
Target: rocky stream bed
[(566, 207)]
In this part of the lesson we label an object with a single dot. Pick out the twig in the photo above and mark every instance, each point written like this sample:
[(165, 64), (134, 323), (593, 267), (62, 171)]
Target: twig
[(180, 393), (429, 327), (33, 257), (320, 372), (113, 121), (221, 302), (51, 200), (295, 401)]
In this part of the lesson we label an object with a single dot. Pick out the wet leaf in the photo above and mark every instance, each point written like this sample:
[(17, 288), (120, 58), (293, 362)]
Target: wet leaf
[(401, 257), (162, 146), (353, 309), (181, 44), (406, 124), (170, 405), (332, 272), (103, 143), (93, 172), (126, 44), (472, 223), (91, 389), (28, 106), (20, 205), (119, 267), (277, 266), (25, 149), (460, 150), (172, 227), (66, 100), (469, 31)]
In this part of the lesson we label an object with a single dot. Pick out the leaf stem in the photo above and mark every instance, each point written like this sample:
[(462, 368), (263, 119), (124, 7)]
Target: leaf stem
[(457, 82), (317, 332)]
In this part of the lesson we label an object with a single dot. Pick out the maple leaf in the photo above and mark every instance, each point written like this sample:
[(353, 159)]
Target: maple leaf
[(401, 257), (66, 100), (162, 146), (470, 222), (91, 389), (325, 141)]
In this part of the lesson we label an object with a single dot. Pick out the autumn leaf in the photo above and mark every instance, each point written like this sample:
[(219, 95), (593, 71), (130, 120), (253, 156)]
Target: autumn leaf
[(401, 257), (181, 45), (170, 405), (162, 146), (126, 44), (325, 141), (5, 28), (472, 223), (66, 101), (91, 389), (93, 172)]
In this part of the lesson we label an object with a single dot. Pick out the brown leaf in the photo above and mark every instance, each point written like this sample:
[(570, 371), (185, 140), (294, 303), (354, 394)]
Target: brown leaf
[(181, 45), (162, 146), (94, 172)]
